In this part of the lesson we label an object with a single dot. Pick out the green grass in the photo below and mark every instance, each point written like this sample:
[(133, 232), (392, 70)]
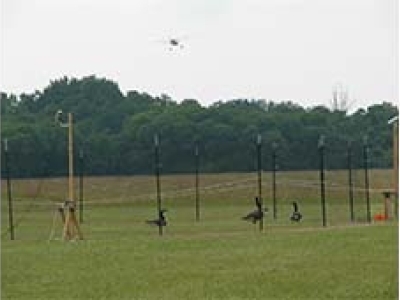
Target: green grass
[(220, 257)]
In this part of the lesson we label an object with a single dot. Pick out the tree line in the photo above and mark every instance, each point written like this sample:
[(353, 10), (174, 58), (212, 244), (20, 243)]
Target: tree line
[(115, 132)]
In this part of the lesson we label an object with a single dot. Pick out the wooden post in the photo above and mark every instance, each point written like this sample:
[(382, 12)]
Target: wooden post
[(66, 229), (71, 226)]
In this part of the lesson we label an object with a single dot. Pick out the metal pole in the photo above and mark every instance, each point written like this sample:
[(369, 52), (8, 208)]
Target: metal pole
[(196, 153), (365, 156), (81, 164), (396, 164), (395, 122), (351, 195), (274, 146), (71, 158), (321, 146), (10, 207), (157, 171), (259, 167)]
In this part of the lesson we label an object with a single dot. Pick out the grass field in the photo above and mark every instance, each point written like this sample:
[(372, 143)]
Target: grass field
[(220, 257)]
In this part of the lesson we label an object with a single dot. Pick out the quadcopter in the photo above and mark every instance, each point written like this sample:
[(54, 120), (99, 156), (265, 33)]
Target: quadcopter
[(173, 43)]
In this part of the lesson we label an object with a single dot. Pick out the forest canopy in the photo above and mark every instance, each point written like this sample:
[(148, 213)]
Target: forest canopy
[(115, 131)]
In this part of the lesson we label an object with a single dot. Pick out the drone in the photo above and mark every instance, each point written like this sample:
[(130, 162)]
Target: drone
[(174, 43)]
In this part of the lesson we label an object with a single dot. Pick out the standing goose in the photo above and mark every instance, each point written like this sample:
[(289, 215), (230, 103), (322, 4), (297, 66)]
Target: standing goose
[(296, 215), (161, 221)]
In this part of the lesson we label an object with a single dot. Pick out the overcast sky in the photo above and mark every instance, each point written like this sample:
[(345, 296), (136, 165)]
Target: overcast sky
[(299, 50)]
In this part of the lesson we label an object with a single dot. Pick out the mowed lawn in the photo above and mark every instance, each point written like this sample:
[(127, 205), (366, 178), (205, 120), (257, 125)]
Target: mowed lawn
[(219, 257)]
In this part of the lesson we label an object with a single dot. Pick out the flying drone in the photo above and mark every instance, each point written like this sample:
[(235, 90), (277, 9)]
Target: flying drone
[(173, 43)]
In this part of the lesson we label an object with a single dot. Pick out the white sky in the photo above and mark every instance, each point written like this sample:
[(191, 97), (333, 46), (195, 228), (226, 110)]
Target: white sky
[(277, 50)]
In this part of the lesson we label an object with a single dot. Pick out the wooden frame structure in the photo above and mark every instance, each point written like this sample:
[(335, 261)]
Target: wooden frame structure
[(71, 229)]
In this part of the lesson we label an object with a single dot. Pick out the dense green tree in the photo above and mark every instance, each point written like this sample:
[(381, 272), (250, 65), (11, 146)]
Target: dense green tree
[(116, 131)]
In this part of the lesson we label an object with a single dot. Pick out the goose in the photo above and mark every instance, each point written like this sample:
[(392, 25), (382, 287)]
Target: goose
[(257, 214), (296, 215), (161, 221)]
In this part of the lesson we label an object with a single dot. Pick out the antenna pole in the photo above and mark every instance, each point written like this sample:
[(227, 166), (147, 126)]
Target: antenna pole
[(71, 226)]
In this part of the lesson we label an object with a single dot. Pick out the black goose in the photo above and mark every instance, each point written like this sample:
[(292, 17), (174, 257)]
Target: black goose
[(161, 221), (296, 215), (257, 214)]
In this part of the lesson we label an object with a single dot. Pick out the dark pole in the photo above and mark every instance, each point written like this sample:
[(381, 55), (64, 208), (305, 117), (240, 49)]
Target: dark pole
[(274, 146), (157, 170), (81, 166), (321, 147), (351, 195), (10, 207), (395, 132), (259, 167), (196, 153), (365, 156)]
